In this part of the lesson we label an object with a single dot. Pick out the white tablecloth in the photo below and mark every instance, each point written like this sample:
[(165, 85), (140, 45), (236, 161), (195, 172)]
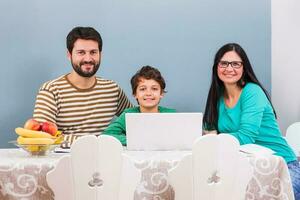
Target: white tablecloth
[(23, 177)]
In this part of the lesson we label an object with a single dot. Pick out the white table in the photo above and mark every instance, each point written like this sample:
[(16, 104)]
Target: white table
[(24, 177)]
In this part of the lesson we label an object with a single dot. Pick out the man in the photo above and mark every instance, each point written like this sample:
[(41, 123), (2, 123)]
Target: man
[(79, 102)]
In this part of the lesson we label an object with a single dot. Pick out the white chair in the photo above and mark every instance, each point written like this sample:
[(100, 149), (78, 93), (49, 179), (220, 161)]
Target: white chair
[(215, 170), (93, 171), (293, 137)]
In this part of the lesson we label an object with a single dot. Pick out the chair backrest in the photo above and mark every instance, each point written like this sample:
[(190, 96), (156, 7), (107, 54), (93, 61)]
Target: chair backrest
[(293, 137), (215, 170), (93, 171)]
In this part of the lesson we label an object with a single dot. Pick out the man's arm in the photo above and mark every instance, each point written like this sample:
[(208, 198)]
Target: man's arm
[(45, 108), (123, 102)]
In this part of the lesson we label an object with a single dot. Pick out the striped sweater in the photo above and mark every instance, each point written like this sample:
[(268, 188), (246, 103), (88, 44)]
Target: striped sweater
[(77, 111)]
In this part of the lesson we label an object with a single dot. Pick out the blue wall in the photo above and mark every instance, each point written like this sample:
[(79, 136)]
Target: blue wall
[(180, 37)]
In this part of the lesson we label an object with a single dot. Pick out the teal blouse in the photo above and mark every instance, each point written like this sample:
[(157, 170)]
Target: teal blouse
[(117, 128), (252, 120)]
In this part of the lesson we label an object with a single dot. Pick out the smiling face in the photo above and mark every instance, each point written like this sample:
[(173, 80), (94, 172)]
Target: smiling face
[(233, 72), (148, 94), (85, 57)]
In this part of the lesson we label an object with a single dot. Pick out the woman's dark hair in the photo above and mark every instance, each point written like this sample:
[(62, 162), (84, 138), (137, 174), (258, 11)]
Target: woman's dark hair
[(85, 33), (216, 91), (147, 72)]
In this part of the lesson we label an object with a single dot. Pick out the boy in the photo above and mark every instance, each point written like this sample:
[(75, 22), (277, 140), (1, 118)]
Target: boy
[(148, 87)]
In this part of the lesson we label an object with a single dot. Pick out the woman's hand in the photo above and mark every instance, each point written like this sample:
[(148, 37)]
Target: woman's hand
[(205, 132)]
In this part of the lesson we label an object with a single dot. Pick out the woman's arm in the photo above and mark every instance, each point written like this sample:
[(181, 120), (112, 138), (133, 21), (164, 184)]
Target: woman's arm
[(253, 104)]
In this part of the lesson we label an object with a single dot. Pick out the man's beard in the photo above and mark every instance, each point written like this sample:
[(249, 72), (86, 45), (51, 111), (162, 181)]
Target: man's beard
[(82, 73)]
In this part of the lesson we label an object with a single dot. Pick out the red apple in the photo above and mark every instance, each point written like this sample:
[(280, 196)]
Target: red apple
[(32, 124), (49, 127)]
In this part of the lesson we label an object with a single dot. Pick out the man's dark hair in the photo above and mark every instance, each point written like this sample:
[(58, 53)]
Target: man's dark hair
[(85, 33), (147, 72)]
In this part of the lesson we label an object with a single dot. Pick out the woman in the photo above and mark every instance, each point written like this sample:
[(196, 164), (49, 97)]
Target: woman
[(238, 105)]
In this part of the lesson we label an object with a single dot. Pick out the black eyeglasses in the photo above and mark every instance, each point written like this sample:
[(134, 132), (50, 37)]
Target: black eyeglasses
[(234, 64)]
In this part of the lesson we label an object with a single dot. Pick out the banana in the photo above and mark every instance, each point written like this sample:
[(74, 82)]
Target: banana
[(33, 148), (32, 134), (59, 139), (25, 140), (58, 134)]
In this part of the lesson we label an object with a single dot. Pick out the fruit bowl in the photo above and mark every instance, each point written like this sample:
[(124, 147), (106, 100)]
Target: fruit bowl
[(36, 149)]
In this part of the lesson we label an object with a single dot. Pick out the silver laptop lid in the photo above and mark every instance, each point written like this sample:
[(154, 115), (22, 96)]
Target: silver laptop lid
[(162, 131)]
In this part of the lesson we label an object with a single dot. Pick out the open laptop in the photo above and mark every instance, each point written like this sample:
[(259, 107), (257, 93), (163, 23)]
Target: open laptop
[(162, 131)]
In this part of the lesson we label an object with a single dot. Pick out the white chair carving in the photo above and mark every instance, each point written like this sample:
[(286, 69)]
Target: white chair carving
[(215, 170), (293, 137), (93, 171)]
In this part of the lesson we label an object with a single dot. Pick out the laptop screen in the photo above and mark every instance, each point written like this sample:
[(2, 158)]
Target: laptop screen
[(162, 131)]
